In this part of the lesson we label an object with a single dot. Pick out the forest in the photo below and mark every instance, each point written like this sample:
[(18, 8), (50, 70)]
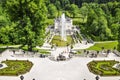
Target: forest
[(24, 21)]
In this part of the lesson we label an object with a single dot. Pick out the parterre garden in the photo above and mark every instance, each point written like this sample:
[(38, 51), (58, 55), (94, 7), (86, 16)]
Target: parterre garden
[(16, 67), (104, 68)]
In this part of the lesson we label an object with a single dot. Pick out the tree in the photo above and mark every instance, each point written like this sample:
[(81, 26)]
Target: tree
[(4, 20), (117, 15), (4, 26), (74, 10), (5, 34), (84, 12), (29, 16), (97, 24), (118, 47), (64, 3), (52, 11)]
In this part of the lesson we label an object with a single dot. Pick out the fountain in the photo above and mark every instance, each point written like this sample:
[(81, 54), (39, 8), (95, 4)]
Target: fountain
[(63, 28)]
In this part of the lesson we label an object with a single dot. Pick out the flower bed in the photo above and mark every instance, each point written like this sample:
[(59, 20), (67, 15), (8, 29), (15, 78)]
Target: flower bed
[(104, 68), (16, 67)]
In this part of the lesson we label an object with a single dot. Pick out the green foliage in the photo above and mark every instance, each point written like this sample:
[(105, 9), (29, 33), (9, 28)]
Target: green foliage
[(106, 45), (78, 21), (103, 68), (78, 52), (4, 20), (118, 46), (50, 21), (24, 21), (97, 23), (16, 67), (41, 51), (29, 17), (2, 49), (102, 20), (74, 10), (52, 11), (5, 33), (58, 42)]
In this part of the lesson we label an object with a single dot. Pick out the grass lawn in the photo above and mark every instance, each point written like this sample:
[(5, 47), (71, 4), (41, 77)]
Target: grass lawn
[(104, 68), (106, 45), (44, 51), (1, 45), (78, 52), (60, 43), (41, 51), (5, 45), (16, 67)]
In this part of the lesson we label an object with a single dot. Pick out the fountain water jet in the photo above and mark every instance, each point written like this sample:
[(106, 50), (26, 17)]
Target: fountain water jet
[(63, 28)]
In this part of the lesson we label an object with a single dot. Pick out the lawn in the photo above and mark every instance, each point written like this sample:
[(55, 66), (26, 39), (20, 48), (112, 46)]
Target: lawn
[(16, 67), (60, 43), (44, 51), (41, 51), (104, 68), (5, 45), (106, 45)]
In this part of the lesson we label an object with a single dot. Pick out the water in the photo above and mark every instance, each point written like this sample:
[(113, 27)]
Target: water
[(63, 27)]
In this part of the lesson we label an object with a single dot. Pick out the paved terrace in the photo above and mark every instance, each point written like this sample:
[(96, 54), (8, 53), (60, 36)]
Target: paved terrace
[(45, 69)]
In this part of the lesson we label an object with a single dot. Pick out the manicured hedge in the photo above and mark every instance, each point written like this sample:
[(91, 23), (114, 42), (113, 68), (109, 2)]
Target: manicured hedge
[(16, 67), (104, 68)]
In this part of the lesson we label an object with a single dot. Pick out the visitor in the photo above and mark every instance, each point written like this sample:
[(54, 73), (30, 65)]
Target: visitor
[(21, 77), (24, 52), (13, 51), (86, 43), (97, 77)]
